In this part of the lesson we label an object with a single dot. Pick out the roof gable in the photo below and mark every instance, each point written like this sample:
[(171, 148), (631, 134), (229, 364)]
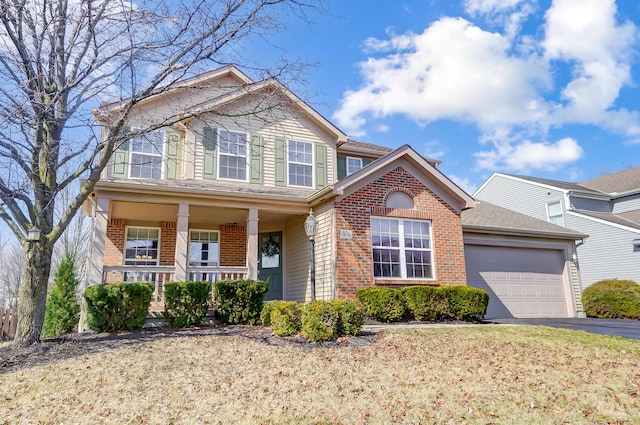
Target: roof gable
[(418, 165)]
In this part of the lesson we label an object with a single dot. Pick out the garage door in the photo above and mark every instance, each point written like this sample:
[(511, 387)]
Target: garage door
[(521, 282)]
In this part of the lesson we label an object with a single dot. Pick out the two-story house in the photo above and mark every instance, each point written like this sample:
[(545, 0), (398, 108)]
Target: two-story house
[(225, 193), (607, 209)]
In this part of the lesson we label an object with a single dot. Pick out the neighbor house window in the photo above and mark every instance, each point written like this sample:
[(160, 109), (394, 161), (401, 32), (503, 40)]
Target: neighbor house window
[(300, 163), (204, 248), (146, 155), (402, 248), (554, 212), (141, 246), (353, 165), (233, 155)]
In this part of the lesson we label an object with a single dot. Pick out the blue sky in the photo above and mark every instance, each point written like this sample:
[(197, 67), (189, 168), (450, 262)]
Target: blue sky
[(544, 88)]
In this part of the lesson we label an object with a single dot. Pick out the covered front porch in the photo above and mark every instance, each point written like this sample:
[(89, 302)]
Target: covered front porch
[(138, 238)]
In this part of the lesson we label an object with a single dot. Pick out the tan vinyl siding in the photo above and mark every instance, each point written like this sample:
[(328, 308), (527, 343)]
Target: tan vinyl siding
[(324, 253), (278, 124), (296, 286)]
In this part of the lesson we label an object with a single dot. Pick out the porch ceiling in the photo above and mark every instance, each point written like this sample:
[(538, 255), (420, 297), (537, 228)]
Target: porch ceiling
[(198, 215)]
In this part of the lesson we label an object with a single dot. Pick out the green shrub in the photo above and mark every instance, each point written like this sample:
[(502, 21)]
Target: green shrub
[(265, 314), (119, 306), (239, 301), (464, 302), (424, 302), (62, 311), (350, 317), (382, 304), (285, 317), (612, 299), (319, 321), (186, 303)]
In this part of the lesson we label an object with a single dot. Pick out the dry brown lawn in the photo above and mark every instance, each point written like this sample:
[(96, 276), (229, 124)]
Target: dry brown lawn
[(487, 374)]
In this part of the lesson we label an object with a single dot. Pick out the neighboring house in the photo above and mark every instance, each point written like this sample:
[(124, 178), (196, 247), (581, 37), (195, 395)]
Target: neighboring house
[(607, 209), (225, 194)]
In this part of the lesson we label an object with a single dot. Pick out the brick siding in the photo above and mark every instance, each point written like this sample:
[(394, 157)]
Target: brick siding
[(354, 270), (233, 246)]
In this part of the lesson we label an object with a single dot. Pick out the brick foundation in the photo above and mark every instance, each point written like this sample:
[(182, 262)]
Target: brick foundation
[(355, 269)]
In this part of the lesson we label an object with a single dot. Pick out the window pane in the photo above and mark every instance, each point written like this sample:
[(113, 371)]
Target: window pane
[(555, 208), (203, 248), (141, 246), (233, 155)]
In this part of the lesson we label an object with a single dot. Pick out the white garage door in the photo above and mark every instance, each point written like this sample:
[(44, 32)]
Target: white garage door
[(521, 282)]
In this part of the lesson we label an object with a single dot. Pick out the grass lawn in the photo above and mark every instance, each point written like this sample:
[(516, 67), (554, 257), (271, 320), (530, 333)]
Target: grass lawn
[(488, 374)]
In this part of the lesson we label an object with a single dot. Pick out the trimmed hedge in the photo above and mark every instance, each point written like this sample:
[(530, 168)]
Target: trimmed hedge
[(465, 302), (320, 321), (382, 304), (612, 299), (424, 303), (239, 301), (119, 306), (285, 317), (186, 303), (350, 316)]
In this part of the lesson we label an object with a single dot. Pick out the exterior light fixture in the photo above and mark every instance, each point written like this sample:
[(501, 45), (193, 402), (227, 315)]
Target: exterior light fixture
[(311, 229)]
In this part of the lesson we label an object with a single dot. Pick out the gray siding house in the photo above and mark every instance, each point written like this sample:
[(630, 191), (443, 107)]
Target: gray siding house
[(607, 209)]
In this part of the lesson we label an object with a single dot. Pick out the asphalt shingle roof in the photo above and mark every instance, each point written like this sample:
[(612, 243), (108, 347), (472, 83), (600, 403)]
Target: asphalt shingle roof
[(492, 217), (629, 219), (623, 181)]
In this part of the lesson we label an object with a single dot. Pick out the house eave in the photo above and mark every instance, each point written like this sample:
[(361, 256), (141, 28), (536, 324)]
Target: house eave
[(522, 232)]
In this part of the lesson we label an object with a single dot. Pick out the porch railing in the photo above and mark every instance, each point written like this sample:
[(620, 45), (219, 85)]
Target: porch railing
[(158, 275)]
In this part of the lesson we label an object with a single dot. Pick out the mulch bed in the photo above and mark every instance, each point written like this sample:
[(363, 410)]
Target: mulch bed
[(76, 345)]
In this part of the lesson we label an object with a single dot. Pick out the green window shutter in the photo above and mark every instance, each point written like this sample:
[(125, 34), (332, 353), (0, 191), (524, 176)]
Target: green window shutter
[(256, 159), (121, 158), (342, 167), (366, 162), (173, 146), (281, 163), (321, 166), (209, 147)]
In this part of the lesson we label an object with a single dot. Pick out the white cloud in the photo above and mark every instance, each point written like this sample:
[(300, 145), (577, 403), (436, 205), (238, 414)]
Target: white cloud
[(502, 81), (528, 155), (434, 149), (464, 183), (453, 70)]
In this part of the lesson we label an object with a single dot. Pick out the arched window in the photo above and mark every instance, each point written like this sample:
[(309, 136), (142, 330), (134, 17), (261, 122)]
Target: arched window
[(399, 200)]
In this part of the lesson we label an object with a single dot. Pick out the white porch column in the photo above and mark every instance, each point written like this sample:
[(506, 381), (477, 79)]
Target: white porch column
[(182, 243), (96, 261), (252, 243)]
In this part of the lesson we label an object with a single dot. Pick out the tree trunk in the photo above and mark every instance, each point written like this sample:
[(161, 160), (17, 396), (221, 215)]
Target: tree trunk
[(33, 295)]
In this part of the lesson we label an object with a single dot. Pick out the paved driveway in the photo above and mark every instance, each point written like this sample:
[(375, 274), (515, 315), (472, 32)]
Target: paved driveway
[(624, 328)]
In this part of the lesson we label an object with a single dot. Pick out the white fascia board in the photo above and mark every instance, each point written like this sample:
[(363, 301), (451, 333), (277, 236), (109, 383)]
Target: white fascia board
[(601, 221), (546, 186)]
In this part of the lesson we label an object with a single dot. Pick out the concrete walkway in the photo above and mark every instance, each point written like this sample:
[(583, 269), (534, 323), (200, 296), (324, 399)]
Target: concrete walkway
[(624, 328)]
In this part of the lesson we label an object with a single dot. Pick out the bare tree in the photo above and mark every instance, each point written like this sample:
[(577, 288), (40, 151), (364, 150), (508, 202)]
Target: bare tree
[(59, 59), (11, 273)]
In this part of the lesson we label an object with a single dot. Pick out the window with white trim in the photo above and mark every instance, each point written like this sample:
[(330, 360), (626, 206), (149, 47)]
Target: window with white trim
[(147, 152), (300, 163), (141, 246), (353, 165), (402, 248), (204, 248), (554, 212), (232, 158)]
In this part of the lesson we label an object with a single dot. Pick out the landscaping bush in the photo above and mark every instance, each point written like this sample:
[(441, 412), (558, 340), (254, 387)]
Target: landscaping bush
[(186, 303), (265, 314), (319, 321), (350, 317), (285, 317), (382, 304), (62, 311), (239, 301), (464, 302), (120, 306), (612, 299), (424, 302)]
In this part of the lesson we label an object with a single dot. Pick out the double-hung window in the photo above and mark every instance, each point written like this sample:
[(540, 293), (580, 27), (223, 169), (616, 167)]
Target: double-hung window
[(147, 152), (141, 246), (353, 165), (554, 212), (402, 248), (233, 155), (204, 248), (300, 163)]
